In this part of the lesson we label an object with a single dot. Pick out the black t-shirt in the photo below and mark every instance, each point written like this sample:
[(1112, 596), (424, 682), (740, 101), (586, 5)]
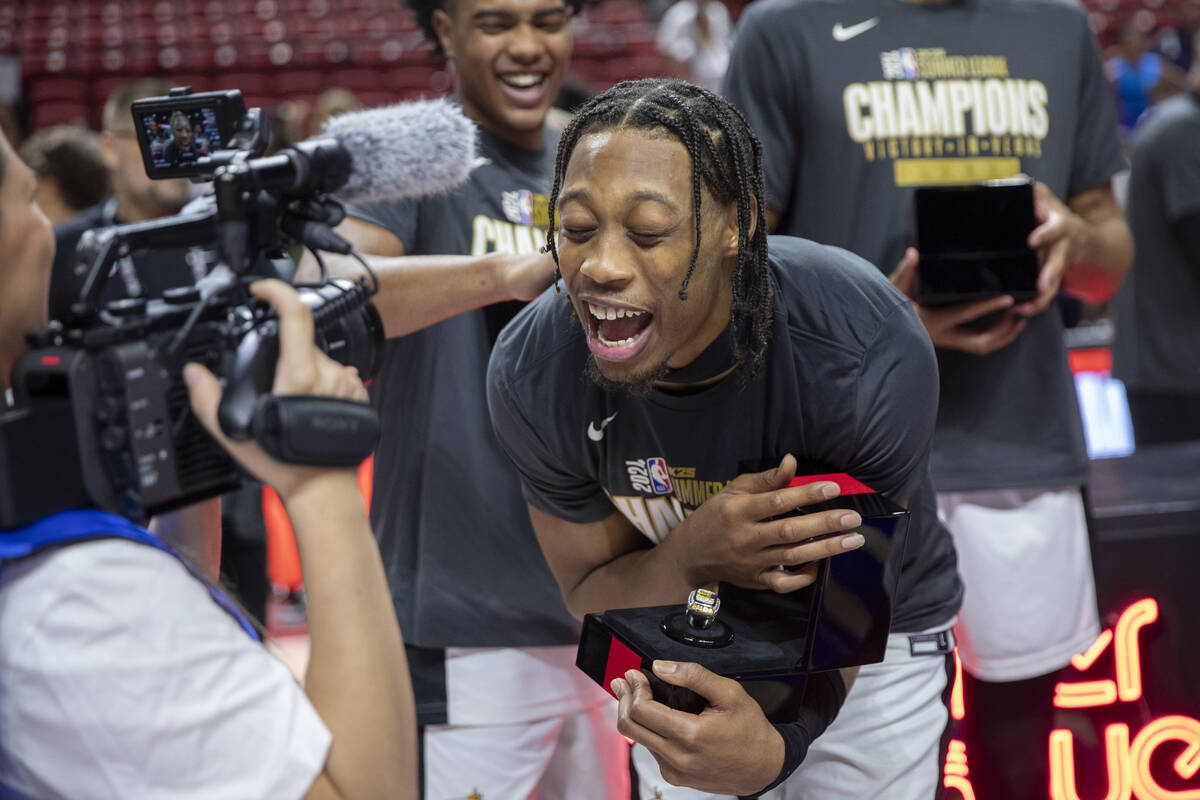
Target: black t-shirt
[(462, 561), (850, 381), (1157, 307), (857, 102)]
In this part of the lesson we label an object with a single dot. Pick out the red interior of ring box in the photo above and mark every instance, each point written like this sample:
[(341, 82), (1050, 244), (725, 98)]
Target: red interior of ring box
[(847, 484)]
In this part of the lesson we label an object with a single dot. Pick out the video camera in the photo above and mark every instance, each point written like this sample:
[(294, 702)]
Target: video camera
[(101, 416)]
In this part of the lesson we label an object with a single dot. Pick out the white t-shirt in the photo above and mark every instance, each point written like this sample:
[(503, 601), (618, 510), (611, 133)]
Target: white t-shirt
[(120, 677)]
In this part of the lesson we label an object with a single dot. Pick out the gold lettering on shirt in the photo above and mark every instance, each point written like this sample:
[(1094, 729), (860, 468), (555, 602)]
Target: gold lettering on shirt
[(933, 109), (490, 235)]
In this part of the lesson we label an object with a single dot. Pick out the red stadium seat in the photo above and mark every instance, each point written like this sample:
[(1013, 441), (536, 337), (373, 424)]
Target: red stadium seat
[(111, 14), (198, 81), (216, 11), (42, 36), (250, 83), (266, 102), (633, 68), (375, 98), (47, 90), (46, 114), (101, 88), (221, 32), (407, 78), (619, 12), (359, 80), (52, 62), (164, 11), (293, 84), (41, 12), (600, 41)]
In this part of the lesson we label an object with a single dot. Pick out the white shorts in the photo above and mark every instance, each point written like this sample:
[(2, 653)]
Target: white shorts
[(576, 757), (885, 742), (1026, 565), (524, 723)]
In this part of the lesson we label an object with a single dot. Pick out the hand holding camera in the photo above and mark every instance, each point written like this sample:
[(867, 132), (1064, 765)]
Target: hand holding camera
[(302, 369)]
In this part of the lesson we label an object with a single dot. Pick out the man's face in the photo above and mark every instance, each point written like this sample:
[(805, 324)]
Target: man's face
[(510, 57), (150, 198), (626, 238), (27, 242), (183, 134)]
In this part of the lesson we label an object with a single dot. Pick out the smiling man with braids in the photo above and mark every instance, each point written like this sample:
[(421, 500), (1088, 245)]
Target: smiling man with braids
[(714, 351)]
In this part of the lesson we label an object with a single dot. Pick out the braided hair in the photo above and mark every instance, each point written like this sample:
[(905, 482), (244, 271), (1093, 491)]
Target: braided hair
[(726, 156)]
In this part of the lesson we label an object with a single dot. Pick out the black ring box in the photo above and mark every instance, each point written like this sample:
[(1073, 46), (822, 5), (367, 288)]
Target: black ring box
[(972, 241), (841, 620)]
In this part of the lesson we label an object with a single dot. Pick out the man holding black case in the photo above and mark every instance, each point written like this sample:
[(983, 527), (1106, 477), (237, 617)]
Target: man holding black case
[(857, 103), (718, 368)]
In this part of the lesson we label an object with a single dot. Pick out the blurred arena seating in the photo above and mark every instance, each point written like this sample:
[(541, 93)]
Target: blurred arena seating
[(1107, 16), (73, 52)]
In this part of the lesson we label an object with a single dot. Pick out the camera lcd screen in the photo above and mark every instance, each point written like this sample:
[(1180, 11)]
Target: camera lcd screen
[(177, 133)]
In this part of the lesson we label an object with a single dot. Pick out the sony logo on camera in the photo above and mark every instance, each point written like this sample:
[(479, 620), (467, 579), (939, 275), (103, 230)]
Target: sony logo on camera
[(328, 424)]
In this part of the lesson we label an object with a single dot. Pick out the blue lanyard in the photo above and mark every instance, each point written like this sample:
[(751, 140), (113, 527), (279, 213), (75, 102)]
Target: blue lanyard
[(85, 524)]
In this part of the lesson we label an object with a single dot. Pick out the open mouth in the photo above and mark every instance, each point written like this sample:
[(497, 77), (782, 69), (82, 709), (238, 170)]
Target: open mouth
[(524, 87), (524, 80), (616, 333)]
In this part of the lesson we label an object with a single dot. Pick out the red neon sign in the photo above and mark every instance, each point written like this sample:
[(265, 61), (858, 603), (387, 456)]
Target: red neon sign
[(1128, 685), (1127, 761)]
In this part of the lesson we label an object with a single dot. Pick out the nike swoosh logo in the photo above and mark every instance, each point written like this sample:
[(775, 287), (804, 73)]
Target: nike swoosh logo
[(841, 34), (480, 161), (597, 434)]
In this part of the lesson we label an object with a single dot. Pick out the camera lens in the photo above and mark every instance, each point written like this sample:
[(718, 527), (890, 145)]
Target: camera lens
[(349, 329)]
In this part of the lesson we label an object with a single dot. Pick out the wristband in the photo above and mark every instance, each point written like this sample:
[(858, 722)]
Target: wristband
[(824, 695)]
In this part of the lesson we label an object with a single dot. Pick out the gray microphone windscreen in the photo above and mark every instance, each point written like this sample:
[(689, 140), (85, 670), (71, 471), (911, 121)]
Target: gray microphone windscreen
[(404, 150)]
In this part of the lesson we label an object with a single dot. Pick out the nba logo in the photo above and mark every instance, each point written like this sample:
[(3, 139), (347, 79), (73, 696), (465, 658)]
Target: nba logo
[(525, 206), (908, 63), (660, 481)]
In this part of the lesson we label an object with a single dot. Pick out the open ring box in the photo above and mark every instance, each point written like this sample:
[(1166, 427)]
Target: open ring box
[(841, 620)]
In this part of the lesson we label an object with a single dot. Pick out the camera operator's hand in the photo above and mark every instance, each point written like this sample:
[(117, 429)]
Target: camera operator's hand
[(357, 676), (731, 537), (728, 748), (302, 369), (524, 277), (945, 325)]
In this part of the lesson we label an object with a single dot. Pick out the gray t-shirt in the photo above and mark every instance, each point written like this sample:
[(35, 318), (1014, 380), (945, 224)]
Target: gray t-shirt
[(1159, 304), (462, 561), (858, 101), (849, 382)]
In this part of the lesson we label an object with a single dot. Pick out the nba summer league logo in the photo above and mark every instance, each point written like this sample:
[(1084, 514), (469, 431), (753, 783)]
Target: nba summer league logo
[(665, 496), (649, 475), (522, 231)]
